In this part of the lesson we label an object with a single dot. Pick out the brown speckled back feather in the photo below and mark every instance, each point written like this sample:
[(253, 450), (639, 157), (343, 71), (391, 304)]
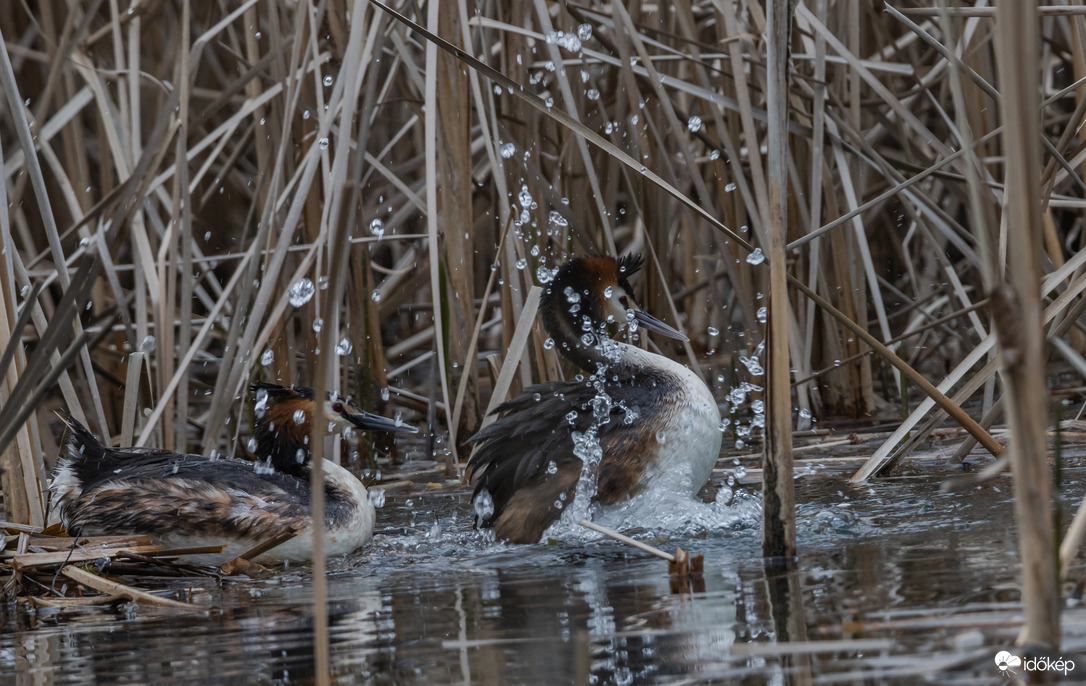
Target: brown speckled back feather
[(512, 455)]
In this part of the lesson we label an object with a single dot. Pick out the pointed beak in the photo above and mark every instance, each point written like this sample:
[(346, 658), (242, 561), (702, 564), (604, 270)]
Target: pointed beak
[(375, 422), (656, 326)]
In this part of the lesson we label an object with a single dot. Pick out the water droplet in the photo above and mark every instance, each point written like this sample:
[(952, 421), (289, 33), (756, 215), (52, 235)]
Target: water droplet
[(756, 257), (147, 344), (592, 94), (299, 417), (484, 505), (552, 467), (251, 445), (548, 343), (328, 80), (730, 187), (268, 357), (323, 143), (694, 123), (571, 416), (525, 197), (544, 275), (713, 331), (762, 312), (661, 436), (377, 497), (376, 296), (508, 150), (584, 32), (753, 365), (344, 347), (740, 472), (301, 292), (522, 263), (557, 219), (377, 228), (25, 291), (318, 324)]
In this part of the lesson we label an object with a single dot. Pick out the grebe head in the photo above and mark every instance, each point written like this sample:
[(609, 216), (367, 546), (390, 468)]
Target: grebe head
[(585, 296), (283, 428)]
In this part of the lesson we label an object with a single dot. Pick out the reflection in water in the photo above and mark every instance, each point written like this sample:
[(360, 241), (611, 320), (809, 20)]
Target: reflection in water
[(442, 604)]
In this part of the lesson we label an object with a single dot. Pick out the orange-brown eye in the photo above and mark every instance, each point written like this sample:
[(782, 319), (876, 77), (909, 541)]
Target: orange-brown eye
[(338, 407), (624, 300)]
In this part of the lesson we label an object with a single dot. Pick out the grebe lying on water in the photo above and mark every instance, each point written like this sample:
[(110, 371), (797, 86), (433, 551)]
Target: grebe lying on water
[(187, 500), (656, 421)]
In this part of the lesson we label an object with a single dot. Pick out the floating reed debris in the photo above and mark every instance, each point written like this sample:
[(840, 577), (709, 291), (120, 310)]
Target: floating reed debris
[(685, 571), (34, 561)]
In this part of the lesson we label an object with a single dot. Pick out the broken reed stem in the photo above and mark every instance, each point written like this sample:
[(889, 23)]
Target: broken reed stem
[(267, 545), (1016, 313), (115, 588), (626, 539)]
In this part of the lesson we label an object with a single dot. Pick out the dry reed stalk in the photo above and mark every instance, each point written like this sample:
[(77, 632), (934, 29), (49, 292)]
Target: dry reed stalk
[(778, 489), (115, 588), (1016, 315)]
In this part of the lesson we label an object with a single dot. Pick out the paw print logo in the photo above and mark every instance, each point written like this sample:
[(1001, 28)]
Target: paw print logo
[(1005, 661)]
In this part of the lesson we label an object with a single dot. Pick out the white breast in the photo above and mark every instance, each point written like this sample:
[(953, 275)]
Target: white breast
[(339, 540), (690, 435)]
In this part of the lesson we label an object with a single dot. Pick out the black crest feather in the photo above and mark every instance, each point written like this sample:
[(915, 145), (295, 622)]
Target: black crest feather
[(628, 265)]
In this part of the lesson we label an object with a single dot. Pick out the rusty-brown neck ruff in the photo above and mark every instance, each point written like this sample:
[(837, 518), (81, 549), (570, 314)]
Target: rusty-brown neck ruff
[(283, 427), (573, 305)]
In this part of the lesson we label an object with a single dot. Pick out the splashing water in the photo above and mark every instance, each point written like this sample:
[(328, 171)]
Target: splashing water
[(484, 505), (377, 497)]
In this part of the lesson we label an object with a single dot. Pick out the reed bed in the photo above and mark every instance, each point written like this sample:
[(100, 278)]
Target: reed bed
[(200, 193)]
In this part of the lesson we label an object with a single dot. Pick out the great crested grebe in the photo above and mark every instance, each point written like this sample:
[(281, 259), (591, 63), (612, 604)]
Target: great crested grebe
[(656, 422), (185, 500)]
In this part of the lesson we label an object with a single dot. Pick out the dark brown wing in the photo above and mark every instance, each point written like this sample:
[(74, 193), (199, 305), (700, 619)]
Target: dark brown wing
[(525, 460)]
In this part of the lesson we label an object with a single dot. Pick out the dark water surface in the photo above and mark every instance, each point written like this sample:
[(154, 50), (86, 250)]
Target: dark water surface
[(897, 583)]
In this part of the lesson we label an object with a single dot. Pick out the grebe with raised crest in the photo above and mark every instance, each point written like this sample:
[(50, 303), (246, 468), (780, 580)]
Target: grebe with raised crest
[(656, 422), (184, 500)]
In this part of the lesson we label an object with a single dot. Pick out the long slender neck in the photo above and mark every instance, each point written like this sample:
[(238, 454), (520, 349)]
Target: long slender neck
[(282, 439), (587, 349), (582, 347)]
